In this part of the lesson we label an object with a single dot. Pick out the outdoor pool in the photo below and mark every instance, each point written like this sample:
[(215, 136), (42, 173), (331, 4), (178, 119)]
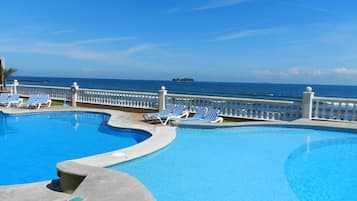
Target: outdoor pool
[(32, 144), (252, 163)]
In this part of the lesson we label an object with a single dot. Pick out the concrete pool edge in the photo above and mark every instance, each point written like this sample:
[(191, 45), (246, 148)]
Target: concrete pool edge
[(299, 123), (160, 137)]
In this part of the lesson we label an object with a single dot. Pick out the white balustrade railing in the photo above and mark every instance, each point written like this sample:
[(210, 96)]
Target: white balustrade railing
[(258, 109), (118, 98), (55, 93), (338, 109), (320, 108)]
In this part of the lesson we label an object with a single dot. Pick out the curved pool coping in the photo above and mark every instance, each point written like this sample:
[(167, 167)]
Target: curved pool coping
[(303, 123), (94, 166)]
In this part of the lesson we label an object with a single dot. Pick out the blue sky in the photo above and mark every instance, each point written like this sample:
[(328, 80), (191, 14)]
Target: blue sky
[(305, 41)]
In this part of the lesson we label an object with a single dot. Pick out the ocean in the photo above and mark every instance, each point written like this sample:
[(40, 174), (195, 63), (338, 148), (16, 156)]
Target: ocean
[(227, 89)]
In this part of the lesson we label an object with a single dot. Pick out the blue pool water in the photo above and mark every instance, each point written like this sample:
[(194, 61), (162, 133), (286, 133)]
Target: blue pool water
[(252, 163), (31, 145)]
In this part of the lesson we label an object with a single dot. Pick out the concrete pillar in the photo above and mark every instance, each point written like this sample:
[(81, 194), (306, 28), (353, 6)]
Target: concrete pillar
[(74, 90), (307, 103), (162, 98), (16, 83)]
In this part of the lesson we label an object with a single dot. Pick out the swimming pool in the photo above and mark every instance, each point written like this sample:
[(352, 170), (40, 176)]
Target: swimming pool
[(251, 163), (32, 144)]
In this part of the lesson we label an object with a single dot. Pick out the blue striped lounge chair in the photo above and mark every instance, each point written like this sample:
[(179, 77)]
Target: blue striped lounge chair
[(43, 99), (200, 114), (179, 112), (3, 98), (13, 99), (31, 101), (210, 117), (150, 116)]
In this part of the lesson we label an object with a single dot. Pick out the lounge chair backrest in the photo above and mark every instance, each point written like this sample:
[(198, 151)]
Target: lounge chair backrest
[(200, 113), (4, 96), (179, 109), (33, 99), (169, 109), (13, 97), (43, 98), (211, 115)]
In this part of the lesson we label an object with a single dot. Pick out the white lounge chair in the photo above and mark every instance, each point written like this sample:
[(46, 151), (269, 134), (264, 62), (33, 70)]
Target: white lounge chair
[(210, 117), (13, 99), (3, 98), (44, 99), (37, 101), (200, 114), (178, 112), (168, 110)]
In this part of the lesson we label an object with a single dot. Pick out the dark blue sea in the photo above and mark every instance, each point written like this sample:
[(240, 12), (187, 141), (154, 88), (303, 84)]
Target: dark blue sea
[(229, 89)]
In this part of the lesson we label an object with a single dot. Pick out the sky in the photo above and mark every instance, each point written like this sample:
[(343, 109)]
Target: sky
[(267, 41)]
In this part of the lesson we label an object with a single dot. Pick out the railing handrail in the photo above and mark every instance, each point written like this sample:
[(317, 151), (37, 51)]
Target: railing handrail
[(43, 87), (233, 99), (119, 91), (335, 99)]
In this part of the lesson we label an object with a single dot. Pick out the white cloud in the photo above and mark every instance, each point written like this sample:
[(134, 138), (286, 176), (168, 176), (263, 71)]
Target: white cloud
[(308, 73), (77, 52), (244, 34), (219, 4), (295, 71), (345, 71), (291, 72), (85, 42)]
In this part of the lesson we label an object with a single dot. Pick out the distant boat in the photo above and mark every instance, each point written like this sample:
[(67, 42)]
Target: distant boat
[(183, 79)]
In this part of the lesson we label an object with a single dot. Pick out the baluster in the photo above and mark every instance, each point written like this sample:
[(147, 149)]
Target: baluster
[(245, 110), (323, 112), (346, 112), (261, 110), (250, 115), (291, 112), (285, 115), (338, 116), (332, 110), (268, 117), (297, 111), (278, 111), (354, 112), (317, 109)]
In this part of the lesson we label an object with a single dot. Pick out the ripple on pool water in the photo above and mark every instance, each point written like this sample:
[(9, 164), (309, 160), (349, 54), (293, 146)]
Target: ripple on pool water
[(326, 172)]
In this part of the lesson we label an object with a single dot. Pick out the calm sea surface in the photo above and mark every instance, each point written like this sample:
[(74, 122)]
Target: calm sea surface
[(253, 90)]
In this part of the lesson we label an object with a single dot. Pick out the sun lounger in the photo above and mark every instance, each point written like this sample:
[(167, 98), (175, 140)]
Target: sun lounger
[(169, 109), (44, 99), (179, 112), (210, 117), (31, 101), (200, 114), (37, 101), (3, 98), (13, 99)]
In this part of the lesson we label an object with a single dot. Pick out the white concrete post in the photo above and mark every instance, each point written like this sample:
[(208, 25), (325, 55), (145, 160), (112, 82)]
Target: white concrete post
[(16, 83), (307, 103), (74, 90), (162, 98)]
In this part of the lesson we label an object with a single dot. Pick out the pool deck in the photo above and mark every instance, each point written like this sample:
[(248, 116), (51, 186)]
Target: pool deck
[(107, 185)]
